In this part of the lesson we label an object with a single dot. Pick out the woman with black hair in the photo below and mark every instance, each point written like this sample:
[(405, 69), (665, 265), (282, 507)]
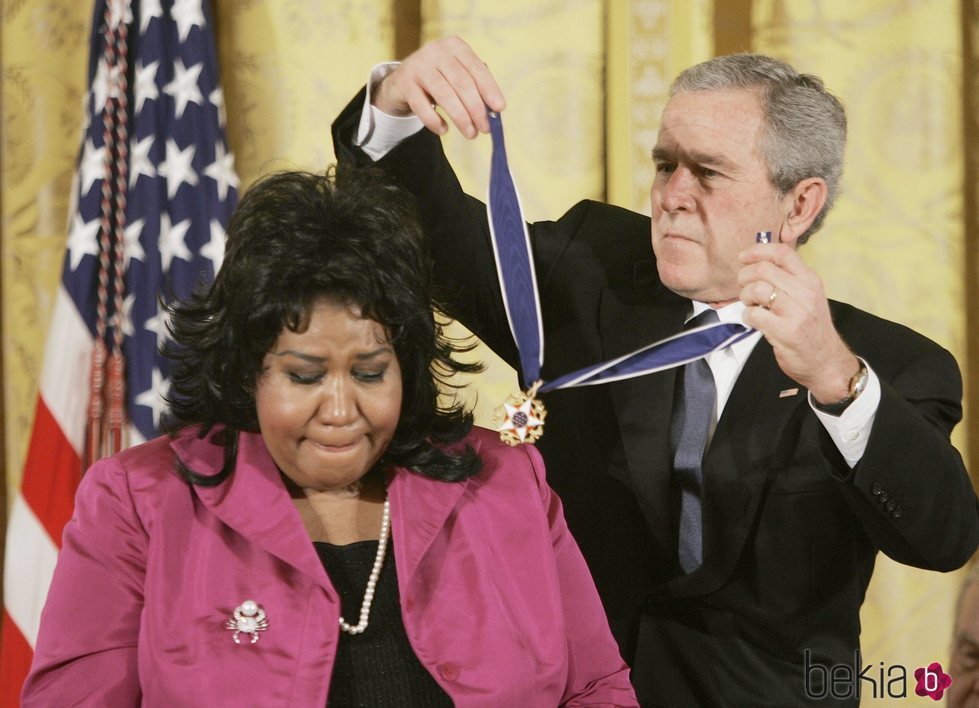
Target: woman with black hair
[(316, 528)]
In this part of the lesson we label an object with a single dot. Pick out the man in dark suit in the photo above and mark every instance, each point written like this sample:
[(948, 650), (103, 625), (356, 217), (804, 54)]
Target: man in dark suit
[(830, 440)]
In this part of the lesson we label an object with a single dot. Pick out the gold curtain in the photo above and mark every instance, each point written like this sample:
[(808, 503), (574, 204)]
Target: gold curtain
[(43, 60), (648, 43), (287, 69)]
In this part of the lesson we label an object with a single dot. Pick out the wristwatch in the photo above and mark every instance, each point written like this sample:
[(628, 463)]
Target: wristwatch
[(857, 384)]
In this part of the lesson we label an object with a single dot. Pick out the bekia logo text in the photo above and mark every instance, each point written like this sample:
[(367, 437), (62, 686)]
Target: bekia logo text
[(880, 681)]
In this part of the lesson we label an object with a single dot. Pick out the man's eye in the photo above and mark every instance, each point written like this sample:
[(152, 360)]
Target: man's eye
[(305, 379), (665, 168), (970, 659), (965, 655)]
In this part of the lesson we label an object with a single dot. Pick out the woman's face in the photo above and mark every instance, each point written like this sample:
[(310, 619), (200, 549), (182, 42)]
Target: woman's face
[(329, 398)]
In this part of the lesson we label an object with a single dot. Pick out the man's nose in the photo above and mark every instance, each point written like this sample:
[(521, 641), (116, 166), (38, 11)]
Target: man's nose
[(677, 193)]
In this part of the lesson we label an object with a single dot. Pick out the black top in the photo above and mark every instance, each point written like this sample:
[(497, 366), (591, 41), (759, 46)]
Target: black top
[(377, 667)]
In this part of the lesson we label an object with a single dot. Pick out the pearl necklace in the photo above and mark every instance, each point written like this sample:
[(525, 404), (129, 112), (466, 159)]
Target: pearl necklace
[(365, 607)]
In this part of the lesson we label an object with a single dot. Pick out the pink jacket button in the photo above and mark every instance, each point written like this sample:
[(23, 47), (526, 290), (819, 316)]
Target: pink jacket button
[(449, 671)]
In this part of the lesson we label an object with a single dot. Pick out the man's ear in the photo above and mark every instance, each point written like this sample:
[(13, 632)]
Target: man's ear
[(803, 204)]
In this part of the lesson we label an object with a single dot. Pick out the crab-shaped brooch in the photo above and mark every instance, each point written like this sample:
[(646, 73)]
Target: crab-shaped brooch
[(248, 618)]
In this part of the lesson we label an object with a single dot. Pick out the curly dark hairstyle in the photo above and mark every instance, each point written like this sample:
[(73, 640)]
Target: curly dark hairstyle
[(295, 239)]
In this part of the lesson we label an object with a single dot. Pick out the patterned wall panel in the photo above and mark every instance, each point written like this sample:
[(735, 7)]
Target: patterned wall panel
[(288, 68), (548, 59), (43, 59), (649, 43)]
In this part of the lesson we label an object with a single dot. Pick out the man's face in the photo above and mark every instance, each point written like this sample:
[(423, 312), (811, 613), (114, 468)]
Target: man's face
[(711, 193), (964, 669)]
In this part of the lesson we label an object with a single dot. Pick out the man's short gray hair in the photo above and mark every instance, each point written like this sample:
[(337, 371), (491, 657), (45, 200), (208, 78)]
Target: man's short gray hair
[(805, 125)]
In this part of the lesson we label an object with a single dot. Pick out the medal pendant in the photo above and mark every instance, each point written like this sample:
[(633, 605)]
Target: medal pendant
[(521, 418)]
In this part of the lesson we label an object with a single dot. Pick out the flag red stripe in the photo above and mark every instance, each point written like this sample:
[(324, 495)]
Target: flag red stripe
[(15, 662), (51, 474)]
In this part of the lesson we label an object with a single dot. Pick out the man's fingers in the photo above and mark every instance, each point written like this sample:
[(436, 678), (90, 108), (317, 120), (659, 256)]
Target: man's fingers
[(780, 254), (446, 95), (489, 91), (478, 72), (448, 74), (420, 103), (465, 104)]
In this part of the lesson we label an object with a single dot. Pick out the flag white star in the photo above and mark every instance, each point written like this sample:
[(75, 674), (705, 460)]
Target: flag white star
[(100, 86), (184, 88), (134, 249), (158, 324), (86, 113), (119, 11), (105, 84), (92, 167), (187, 14), (127, 315), (139, 160), (178, 167), (83, 239), (172, 243), (216, 97), (214, 249), (145, 88), (148, 9), (222, 170), (152, 397)]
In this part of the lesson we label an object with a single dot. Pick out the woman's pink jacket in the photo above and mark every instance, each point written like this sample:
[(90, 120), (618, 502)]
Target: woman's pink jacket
[(496, 599)]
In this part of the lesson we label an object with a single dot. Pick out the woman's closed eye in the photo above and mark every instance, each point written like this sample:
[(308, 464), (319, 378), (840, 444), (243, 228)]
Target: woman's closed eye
[(305, 378), (369, 375)]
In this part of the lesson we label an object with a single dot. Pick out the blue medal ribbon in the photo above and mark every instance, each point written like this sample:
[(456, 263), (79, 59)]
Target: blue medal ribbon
[(514, 260), (518, 282)]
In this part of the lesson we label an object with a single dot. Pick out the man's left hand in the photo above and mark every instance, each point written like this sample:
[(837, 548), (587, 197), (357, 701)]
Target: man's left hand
[(786, 302)]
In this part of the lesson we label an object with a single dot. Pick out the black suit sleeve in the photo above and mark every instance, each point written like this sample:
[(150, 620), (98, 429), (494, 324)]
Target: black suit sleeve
[(910, 489)]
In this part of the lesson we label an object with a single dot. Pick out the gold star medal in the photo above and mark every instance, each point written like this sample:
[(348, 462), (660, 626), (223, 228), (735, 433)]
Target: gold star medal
[(521, 418)]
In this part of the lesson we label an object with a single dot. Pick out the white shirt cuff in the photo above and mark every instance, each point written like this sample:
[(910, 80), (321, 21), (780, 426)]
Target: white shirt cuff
[(378, 132), (850, 431)]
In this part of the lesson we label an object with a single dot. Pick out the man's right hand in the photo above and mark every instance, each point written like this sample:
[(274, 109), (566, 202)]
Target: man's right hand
[(444, 73)]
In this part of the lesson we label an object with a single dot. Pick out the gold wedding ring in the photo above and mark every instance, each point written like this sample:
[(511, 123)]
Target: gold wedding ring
[(771, 298)]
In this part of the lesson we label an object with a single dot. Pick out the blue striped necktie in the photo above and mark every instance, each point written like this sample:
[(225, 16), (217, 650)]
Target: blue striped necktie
[(693, 414)]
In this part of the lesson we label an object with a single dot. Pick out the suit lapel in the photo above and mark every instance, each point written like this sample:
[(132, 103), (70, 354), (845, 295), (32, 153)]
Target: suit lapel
[(253, 501), (420, 508), (643, 405), (255, 504), (737, 465)]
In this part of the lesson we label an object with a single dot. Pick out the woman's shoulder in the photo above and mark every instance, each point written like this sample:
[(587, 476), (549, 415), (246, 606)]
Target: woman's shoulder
[(501, 460), (130, 472), (144, 458), (488, 442), (154, 462)]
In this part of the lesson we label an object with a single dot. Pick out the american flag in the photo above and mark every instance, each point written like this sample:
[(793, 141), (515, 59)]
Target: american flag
[(154, 189)]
